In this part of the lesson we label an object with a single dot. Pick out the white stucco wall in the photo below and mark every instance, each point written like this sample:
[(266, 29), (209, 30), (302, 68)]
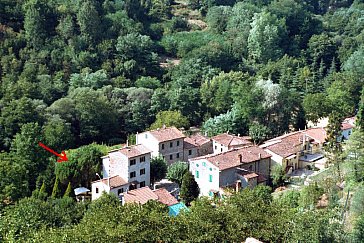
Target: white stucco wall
[(218, 147), (137, 167), (205, 169), (102, 188), (148, 141)]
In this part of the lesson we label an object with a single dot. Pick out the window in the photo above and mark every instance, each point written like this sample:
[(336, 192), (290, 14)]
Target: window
[(171, 144), (132, 174), (210, 178), (197, 165), (203, 163), (210, 169), (146, 136), (142, 159), (190, 152), (215, 146), (97, 190), (171, 156), (131, 187), (142, 172), (162, 145), (221, 149), (121, 190), (177, 143), (177, 155), (250, 167), (142, 184), (197, 174), (132, 162), (349, 132)]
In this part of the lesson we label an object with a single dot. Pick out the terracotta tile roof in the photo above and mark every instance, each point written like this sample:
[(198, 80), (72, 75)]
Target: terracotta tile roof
[(140, 195), (318, 134), (229, 140), (165, 197), (195, 140), (235, 157), (285, 145), (115, 181), (134, 151), (346, 126), (167, 134)]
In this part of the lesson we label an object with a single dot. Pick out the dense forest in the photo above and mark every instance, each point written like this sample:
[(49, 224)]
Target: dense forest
[(85, 75)]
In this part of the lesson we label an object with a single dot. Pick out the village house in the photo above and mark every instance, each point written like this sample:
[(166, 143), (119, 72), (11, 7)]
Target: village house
[(167, 142), (242, 167), (145, 194), (197, 145), (225, 142), (124, 169)]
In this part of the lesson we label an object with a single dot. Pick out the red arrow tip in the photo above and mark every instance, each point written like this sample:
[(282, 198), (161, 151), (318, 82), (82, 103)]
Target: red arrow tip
[(62, 157)]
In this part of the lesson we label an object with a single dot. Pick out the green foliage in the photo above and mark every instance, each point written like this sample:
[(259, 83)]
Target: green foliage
[(265, 37), (89, 21), (169, 119), (354, 151), (278, 175), (148, 82), (82, 165), (158, 169), (310, 195), (316, 106), (56, 190), (68, 191), (176, 172), (189, 188), (258, 132), (217, 18)]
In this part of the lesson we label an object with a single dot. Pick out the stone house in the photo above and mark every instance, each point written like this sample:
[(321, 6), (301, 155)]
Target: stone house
[(167, 142), (197, 145), (242, 167), (224, 142), (124, 169)]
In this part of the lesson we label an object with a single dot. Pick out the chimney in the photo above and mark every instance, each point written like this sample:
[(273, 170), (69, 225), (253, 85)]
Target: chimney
[(164, 126), (136, 138), (240, 158), (237, 186), (127, 143), (238, 134), (260, 156)]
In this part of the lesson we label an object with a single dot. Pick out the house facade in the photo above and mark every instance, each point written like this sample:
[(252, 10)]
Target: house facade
[(123, 169), (242, 167), (197, 145), (165, 142), (225, 142)]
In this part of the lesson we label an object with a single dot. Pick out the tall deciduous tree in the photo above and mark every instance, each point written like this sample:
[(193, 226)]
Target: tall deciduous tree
[(265, 37), (170, 118), (89, 21), (158, 169), (176, 172)]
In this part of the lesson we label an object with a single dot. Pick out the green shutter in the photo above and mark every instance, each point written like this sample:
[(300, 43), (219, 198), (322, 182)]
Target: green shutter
[(197, 174), (210, 178)]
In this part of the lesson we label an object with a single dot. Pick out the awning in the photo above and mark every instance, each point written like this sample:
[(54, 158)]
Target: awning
[(81, 190), (291, 156)]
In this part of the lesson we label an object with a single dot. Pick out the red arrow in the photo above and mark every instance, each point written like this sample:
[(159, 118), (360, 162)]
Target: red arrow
[(62, 156)]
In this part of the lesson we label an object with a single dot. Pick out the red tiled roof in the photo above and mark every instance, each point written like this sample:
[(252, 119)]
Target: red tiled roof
[(346, 126), (229, 140), (135, 150), (115, 181), (285, 145), (165, 197), (235, 157), (195, 140), (140, 195), (167, 134), (318, 134)]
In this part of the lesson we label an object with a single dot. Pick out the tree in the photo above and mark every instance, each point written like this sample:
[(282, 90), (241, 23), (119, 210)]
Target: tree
[(355, 62), (170, 118), (355, 154), (176, 172), (68, 191), (278, 175), (189, 189), (158, 169), (358, 232), (265, 37), (217, 18), (333, 146), (310, 195), (56, 190), (89, 21), (258, 132), (58, 134), (315, 106), (360, 116)]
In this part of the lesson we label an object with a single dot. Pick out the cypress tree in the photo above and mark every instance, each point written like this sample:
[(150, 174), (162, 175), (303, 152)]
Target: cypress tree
[(56, 191), (68, 190), (360, 116), (189, 188)]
